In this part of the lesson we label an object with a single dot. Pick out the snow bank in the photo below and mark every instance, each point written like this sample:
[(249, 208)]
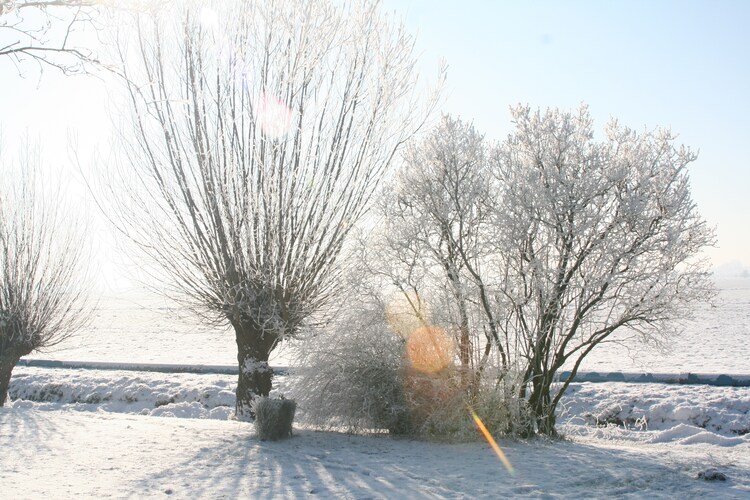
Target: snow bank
[(658, 413), (688, 434), (647, 413), (146, 393)]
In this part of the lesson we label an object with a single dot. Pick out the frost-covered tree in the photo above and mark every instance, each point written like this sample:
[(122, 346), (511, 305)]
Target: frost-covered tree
[(417, 341), (42, 278), (261, 130), (436, 238), (595, 237)]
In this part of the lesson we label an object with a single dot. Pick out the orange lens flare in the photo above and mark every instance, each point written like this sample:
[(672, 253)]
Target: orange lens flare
[(429, 349), (492, 442)]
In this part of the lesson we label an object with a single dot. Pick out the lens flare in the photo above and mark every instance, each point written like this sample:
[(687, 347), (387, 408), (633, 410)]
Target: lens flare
[(430, 349), (273, 116), (492, 442)]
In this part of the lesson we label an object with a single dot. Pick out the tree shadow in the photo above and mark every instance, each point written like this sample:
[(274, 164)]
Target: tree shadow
[(333, 465), (311, 463), (36, 429)]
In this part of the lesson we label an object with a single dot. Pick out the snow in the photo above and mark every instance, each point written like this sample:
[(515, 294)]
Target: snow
[(652, 408), (95, 454), (132, 330), (253, 365), (73, 432), (58, 442), (688, 434), (144, 393)]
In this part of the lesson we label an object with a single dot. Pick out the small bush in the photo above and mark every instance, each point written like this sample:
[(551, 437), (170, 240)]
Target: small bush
[(494, 402), (273, 418), (350, 376), (356, 377)]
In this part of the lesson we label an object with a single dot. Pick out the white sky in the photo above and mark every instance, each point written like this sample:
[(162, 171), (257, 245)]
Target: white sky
[(679, 64)]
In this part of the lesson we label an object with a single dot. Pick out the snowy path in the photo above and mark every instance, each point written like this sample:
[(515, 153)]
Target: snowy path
[(64, 454)]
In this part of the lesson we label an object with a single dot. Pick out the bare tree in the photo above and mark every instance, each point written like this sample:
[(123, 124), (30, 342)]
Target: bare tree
[(262, 129), (41, 268), (437, 238), (595, 238), (43, 32)]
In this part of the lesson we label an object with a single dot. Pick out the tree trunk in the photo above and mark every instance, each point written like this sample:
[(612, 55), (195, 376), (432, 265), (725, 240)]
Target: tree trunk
[(540, 402), (468, 377), (8, 361), (254, 346), (465, 350), (545, 424)]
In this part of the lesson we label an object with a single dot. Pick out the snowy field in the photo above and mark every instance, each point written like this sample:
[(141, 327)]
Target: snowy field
[(716, 341), (133, 329), (96, 433)]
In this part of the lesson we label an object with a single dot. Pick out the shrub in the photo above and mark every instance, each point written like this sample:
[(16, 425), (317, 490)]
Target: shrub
[(495, 402), (350, 376), (355, 376), (273, 418)]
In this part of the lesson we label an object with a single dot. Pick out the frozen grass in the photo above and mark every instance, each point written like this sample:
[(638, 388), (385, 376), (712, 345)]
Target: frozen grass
[(658, 413)]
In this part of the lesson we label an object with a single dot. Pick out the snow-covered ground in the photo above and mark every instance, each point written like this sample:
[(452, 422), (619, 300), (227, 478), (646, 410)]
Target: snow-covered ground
[(95, 433), (65, 454)]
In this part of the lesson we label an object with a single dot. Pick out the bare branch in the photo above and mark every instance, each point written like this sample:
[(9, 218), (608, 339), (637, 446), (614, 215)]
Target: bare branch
[(41, 32), (261, 131)]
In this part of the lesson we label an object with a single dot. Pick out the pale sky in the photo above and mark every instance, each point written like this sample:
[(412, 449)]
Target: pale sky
[(678, 64)]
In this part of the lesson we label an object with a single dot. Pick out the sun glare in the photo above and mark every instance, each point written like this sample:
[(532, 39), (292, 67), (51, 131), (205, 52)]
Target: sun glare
[(495, 447)]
